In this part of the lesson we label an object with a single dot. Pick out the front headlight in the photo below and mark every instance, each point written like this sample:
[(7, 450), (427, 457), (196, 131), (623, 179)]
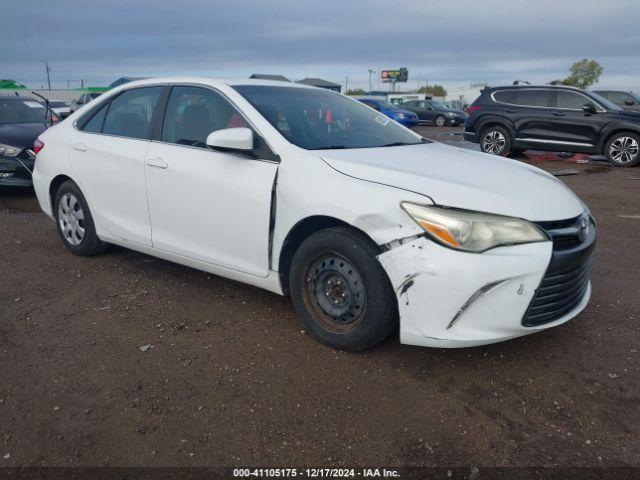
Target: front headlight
[(451, 114), (9, 151), (472, 231)]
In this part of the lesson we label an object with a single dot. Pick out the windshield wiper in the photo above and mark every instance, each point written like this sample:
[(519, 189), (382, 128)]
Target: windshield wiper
[(331, 147), (398, 144)]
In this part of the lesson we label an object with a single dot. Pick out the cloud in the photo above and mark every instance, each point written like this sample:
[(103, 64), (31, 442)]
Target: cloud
[(439, 41)]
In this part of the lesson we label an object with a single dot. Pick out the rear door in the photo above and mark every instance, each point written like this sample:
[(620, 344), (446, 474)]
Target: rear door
[(107, 158), (210, 205), (532, 115)]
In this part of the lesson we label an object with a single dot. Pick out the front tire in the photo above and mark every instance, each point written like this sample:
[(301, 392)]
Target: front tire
[(340, 291), (622, 149), (495, 140), (441, 121), (75, 223)]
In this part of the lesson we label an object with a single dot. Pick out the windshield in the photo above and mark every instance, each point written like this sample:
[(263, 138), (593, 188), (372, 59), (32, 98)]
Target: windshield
[(387, 105), (21, 111), (316, 119), (605, 103)]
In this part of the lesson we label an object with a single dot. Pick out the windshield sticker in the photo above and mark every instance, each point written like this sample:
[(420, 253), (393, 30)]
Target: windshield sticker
[(382, 120), (33, 104)]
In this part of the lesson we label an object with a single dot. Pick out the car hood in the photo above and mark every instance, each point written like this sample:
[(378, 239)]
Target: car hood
[(20, 134), (462, 178)]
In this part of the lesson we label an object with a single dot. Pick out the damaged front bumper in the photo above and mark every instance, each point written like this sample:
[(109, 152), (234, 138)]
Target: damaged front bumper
[(449, 298)]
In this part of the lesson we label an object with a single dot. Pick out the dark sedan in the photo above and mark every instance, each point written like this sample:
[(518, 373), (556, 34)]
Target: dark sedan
[(434, 112), (21, 121)]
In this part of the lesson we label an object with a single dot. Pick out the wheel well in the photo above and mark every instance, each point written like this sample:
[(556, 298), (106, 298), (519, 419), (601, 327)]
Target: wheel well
[(302, 230), (606, 138), (492, 123), (54, 186)]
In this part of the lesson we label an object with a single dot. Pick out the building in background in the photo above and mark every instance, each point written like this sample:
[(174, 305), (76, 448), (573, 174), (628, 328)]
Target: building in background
[(319, 82), (266, 76), (123, 80)]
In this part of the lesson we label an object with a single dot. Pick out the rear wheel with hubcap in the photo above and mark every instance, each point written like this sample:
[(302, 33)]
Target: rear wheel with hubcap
[(495, 140), (623, 149), (340, 291), (74, 221)]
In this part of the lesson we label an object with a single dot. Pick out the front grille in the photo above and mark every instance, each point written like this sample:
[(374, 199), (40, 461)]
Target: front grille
[(567, 278)]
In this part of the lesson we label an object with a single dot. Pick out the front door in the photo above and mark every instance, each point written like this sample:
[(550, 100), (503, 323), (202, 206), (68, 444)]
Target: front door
[(573, 127), (205, 204)]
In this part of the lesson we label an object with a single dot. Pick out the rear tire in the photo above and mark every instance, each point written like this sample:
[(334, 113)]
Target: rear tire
[(75, 223), (496, 141), (622, 149), (441, 121), (340, 291)]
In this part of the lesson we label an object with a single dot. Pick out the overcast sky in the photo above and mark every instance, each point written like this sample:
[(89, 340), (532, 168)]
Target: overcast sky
[(451, 42)]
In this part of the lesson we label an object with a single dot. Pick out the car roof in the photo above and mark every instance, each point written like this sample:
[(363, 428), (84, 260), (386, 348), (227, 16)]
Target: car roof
[(214, 82), (610, 90), (524, 87)]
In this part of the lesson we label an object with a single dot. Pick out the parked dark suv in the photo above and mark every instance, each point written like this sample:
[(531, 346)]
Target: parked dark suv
[(625, 100), (511, 119)]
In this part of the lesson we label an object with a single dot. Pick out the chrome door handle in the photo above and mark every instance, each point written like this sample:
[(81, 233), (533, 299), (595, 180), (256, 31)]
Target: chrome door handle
[(559, 114), (81, 147), (157, 163)]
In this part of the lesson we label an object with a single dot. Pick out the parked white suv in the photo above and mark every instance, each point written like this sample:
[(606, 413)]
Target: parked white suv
[(299, 190)]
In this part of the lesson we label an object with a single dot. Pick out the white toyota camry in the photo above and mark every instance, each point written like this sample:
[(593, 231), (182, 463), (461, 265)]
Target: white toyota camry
[(302, 191)]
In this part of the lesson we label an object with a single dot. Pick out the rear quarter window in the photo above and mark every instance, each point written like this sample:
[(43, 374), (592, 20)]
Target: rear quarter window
[(505, 96), (94, 125)]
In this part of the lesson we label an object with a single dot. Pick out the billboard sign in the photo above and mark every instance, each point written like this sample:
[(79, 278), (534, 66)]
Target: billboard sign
[(398, 75)]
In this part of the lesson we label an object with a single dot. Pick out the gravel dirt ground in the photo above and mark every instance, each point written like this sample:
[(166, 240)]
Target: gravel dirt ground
[(124, 359)]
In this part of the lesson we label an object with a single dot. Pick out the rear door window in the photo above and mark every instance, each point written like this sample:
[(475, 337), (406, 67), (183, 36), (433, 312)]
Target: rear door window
[(130, 113), (534, 98)]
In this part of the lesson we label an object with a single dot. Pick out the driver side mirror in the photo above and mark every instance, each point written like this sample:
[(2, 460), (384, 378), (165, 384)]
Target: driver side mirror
[(629, 102), (589, 108), (231, 139)]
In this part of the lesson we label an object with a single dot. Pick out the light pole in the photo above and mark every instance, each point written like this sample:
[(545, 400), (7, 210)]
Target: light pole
[(371, 72)]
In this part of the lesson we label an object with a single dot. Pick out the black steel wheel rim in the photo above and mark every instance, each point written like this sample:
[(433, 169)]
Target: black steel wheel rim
[(336, 293)]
